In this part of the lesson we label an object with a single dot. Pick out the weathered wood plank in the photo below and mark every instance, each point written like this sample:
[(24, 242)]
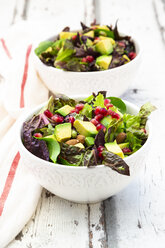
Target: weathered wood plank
[(96, 225), (7, 9), (159, 9), (62, 13), (56, 223)]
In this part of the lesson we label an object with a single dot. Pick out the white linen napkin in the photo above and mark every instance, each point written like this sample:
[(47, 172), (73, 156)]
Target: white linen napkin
[(21, 90)]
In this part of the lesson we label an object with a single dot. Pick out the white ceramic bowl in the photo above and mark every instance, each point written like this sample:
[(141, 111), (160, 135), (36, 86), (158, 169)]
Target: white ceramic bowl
[(82, 184), (116, 81)]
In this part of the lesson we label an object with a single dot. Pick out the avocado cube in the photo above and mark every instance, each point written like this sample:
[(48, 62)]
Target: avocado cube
[(104, 61), (114, 148), (104, 38), (89, 141), (67, 35), (104, 47), (85, 128), (126, 58), (90, 34), (80, 145), (62, 132), (65, 110), (123, 145), (106, 121)]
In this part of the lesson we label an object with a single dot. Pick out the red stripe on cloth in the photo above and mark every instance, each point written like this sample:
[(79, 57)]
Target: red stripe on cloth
[(25, 74), (5, 48), (9, 181)]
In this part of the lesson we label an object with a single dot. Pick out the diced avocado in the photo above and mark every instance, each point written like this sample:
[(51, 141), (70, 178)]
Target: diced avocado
[(103, 27), (66, 35), (89, 141), (104, 38), (90, 34), (89, 43), (124, 145), (65, 110), (104, 47), (85, 128), (80, 145), (73, 133), (104, 61), (62, 132), (126, 57), (106, 121), (114, 148)]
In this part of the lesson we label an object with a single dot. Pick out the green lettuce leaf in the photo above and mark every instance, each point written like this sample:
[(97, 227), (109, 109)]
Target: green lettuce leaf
[(66, 51), (144, 112), (46, 130), (43, 46), (87, 111), (89, 99), (117, 102), (99, 101)]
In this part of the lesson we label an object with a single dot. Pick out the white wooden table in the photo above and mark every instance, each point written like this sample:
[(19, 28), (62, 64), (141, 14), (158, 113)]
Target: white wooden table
[(136, 216)]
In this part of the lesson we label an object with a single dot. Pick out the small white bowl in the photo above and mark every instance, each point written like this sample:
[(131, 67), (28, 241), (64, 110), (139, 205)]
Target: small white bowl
[(82, 184), (116, 81)]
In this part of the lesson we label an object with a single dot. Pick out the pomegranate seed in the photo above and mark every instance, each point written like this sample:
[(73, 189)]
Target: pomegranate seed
[(38, 135), (103, 111), (74, 37), (99, 117), (95, 122), (100, 148), (113, 114), (84, 60), (126, 150), (57, 118), (144, 130), (109, 105), (100, 126), (122, 44), (116, 116), (97, 38), (48, 113), (97, 111), (79, 106), (110, 112), (100, 155), (71, 119), (74, 111), (89, 58), (132, 55), (106, 101)]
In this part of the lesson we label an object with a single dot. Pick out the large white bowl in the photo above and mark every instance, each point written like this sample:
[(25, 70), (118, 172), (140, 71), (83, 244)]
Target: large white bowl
[(116, 81), (82, 184)]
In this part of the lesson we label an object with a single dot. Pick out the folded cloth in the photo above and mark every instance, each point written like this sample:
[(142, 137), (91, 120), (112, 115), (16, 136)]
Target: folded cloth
[(20, 89)]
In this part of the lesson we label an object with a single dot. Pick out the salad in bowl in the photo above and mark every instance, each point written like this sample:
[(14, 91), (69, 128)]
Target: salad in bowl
[(94, 48), (93, 131)]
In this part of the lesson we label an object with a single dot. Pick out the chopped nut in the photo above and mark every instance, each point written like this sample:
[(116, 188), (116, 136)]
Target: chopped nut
[(81, 138), (120, 138), (72, 142)]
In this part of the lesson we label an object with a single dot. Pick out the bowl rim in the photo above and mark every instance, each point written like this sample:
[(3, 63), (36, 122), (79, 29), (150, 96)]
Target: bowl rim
[(51, 68), (28, 114)]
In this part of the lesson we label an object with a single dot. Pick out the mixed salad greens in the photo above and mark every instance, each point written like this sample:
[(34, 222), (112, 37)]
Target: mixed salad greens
[(93, 48), (96, 130)]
